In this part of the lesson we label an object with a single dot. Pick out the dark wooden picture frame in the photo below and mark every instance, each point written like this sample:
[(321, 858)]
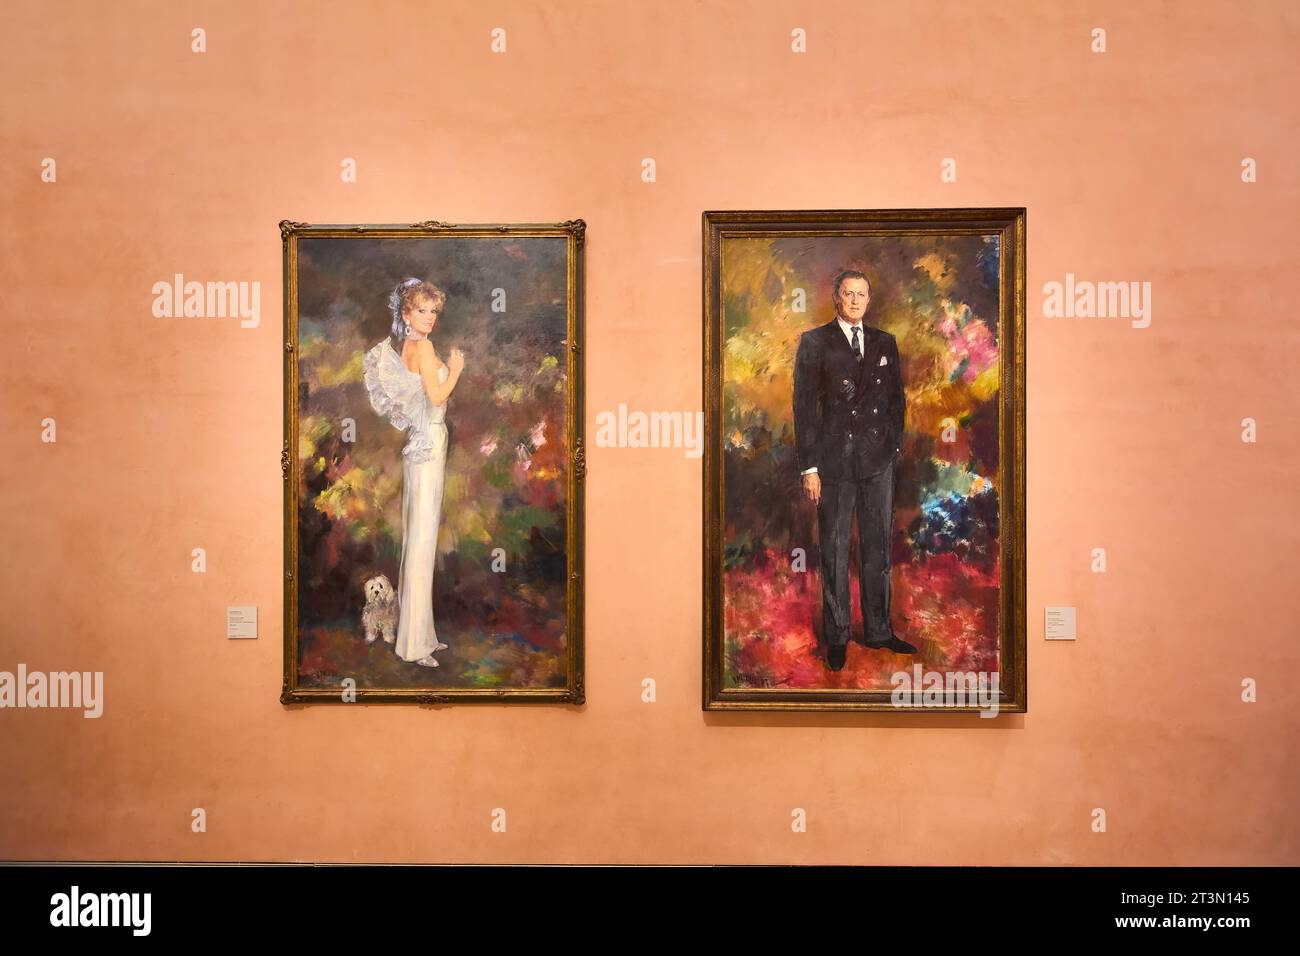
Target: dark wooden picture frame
[(565, 677), (794, 236)]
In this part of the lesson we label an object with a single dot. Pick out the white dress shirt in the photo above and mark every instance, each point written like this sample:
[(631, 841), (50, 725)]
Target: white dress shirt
[(848, 333)]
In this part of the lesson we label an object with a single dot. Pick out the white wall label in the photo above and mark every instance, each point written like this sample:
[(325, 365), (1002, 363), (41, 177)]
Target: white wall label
[(1060, 623), (241, 621)]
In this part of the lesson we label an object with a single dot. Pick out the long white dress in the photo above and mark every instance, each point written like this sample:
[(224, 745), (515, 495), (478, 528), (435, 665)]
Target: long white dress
[(398, 393)]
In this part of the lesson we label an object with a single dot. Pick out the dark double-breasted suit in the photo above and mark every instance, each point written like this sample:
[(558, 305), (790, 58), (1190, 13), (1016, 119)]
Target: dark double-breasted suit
[(848, 422)]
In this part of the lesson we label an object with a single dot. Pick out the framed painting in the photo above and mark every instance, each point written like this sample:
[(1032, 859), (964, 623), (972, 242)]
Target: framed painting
[(433, 463), (864, 503)]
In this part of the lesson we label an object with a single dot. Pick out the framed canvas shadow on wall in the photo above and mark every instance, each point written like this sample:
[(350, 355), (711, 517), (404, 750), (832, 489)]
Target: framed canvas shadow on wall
[(864, 492), (433, 463)]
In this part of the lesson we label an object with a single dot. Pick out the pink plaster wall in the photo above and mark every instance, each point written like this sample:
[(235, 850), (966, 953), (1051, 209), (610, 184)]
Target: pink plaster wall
[(169, 429)]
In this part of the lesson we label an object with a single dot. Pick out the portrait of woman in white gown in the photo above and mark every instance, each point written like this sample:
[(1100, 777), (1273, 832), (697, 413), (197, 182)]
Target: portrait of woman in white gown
[(414, 518), (409, 383)]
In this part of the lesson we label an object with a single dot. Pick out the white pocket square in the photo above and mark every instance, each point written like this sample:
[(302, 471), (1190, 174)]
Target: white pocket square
[(884, 360)]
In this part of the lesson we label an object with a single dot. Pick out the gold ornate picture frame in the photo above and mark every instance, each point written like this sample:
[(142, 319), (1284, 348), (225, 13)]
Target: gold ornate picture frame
[(864, 396), (433, 463)]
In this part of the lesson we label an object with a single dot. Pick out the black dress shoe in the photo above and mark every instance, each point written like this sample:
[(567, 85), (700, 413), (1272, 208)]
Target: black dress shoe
[(835, 655), (895, 644)]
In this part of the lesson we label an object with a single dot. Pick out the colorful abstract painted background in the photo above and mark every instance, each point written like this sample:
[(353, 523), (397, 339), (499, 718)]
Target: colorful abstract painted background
[(938, 296), (506, 469)]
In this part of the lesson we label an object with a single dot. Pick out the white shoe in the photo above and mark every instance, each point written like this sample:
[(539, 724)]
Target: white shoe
[(427, 661)]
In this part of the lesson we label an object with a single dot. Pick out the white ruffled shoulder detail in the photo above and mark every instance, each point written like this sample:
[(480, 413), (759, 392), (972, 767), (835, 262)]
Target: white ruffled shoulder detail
[(392, 387), (397, 393)]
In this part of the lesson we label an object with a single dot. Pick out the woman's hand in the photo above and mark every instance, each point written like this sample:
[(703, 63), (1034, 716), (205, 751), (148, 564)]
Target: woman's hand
[(456, 361)]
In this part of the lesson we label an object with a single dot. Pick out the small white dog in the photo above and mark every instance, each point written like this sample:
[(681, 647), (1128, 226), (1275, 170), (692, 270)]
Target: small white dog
[(380, 612)]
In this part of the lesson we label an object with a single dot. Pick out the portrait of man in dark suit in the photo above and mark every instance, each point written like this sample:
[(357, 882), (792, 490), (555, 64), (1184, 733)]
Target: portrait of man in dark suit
[(849, 410)]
